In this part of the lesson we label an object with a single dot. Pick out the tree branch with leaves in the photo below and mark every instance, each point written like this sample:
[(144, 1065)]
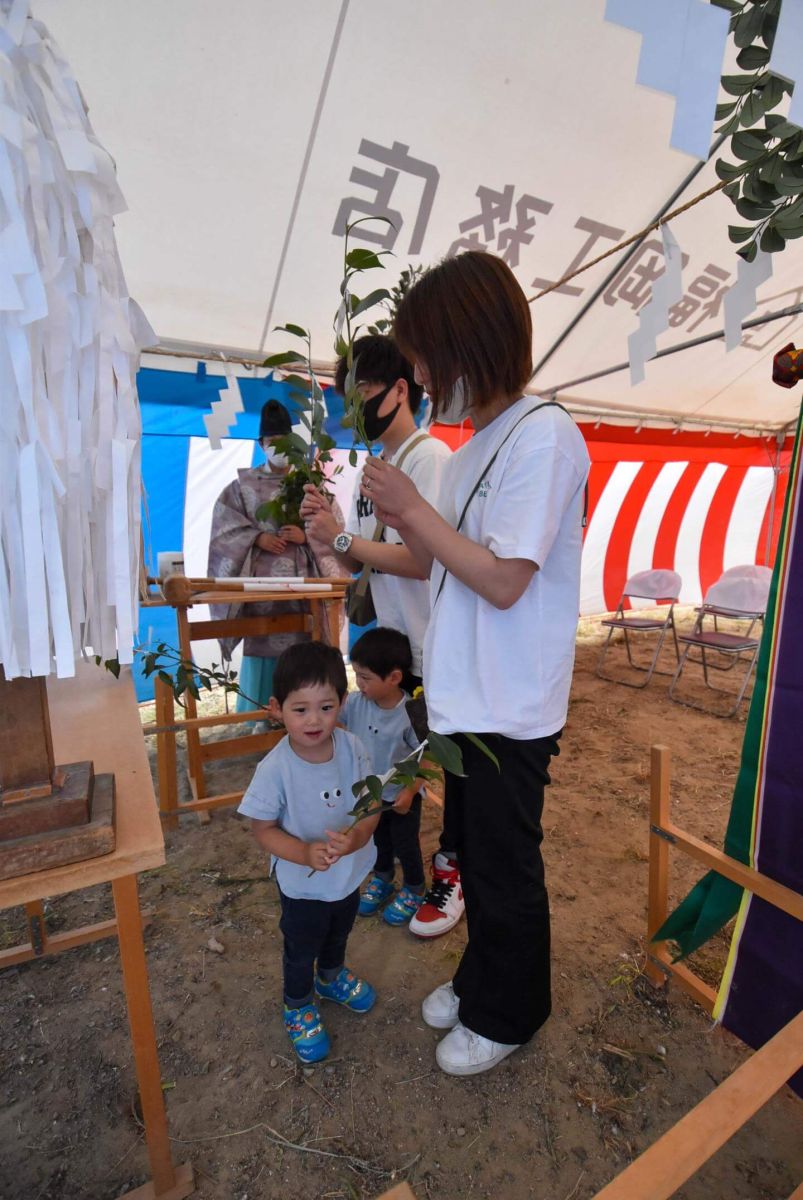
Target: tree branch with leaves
[(765, 184)]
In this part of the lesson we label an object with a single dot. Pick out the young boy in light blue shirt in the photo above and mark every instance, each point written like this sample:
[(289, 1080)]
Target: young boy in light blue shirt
[(377, 715), (299, 801)]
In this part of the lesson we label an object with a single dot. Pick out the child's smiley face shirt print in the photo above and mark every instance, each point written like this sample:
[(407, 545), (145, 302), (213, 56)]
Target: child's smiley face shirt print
[(331, 796)]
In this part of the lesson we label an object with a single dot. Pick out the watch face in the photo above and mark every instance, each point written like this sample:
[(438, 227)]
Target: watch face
[(342, 542)]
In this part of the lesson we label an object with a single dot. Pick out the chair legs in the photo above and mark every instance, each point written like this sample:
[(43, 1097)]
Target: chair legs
[(706, 668), (648, 671)]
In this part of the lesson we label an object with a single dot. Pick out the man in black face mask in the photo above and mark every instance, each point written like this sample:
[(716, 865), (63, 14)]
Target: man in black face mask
[(391, 399)]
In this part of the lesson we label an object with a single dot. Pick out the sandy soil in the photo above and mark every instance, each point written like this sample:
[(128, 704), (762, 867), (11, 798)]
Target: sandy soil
[(617, 1064)]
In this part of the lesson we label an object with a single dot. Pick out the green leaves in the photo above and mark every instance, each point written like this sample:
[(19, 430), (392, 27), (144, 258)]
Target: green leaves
[(111, 664), (767, 180), (736, 85), (361, 259), (375, 297), (182, 675), (739, 233), (280, 360), (295, 330), (445, 752), (749, 145), (480, 744), (752, 56), (771, 240)]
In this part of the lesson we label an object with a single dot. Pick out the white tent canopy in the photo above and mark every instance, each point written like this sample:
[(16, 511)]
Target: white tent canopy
[(245, 134)]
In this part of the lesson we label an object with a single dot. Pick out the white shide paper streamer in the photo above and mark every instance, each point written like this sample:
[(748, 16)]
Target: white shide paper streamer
[(682, 49), (740, 299), (69, 351), (654, 316), (224, 411)]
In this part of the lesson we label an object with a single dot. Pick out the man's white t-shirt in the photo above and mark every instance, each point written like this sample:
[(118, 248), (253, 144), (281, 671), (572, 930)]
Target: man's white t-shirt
[(509, 671), (403, 604)]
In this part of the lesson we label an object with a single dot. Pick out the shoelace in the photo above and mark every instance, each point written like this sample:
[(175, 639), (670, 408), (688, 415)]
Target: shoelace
[(439, 893)]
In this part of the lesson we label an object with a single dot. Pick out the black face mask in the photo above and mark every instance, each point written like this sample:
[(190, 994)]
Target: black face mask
[(375, 426)]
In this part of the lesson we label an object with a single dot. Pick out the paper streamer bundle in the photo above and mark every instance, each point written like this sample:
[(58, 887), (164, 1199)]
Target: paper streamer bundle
[(69, 348)]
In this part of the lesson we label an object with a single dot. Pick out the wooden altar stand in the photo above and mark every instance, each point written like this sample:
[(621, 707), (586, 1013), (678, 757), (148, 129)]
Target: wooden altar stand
[(687, 1146), (95, 716), (322, 605)]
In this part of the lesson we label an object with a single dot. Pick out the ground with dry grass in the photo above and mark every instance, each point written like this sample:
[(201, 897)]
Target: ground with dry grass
[(615, 1066)]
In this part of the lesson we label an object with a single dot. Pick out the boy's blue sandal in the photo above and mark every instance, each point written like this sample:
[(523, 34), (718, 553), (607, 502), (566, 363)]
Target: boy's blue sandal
[(374, 896), (348, 990), (404, 907), (310, 1039)]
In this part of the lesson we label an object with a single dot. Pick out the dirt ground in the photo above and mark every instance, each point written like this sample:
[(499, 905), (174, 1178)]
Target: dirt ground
[(616, 1065)]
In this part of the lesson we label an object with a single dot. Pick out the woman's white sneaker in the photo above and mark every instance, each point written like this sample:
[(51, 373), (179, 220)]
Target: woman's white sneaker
[(463, 1052), (440, 1008)]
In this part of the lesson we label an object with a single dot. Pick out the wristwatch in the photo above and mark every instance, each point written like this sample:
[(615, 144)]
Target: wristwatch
[(342, 543)]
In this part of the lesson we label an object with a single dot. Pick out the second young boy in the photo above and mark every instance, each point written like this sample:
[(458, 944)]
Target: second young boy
[(376, 714)]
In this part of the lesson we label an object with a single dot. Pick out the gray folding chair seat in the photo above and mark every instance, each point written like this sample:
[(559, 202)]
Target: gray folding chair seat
[(739, 595), (663, 588)]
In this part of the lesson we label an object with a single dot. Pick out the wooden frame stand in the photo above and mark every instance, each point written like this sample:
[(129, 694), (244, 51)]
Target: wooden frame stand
[(688, 1145), (663, 834), (96, 715), (324, 614)]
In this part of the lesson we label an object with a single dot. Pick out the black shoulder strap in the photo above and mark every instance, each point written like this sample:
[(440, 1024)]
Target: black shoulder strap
[(490, 463)]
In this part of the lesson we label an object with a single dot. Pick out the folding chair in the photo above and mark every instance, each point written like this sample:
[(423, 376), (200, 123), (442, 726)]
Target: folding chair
[(661, 586), (739, 595)]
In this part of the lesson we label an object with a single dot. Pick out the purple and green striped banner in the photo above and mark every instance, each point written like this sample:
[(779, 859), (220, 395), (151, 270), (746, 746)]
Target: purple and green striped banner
[(762, 986)]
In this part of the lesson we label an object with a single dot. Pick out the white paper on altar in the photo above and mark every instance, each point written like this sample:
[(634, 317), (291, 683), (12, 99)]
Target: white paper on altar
[(69, 443)]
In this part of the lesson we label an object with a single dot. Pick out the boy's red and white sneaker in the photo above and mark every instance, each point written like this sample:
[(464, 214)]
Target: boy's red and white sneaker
[(443, 904)]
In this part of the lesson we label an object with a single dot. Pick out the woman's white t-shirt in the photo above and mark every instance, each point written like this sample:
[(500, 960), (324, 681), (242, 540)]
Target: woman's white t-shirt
[(509, 671)]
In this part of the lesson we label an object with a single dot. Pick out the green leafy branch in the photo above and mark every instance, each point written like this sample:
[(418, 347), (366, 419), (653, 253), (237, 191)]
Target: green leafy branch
[(307, 458), (408, 277), (355, 262), (181, 675), (766, 183), (436, 748)]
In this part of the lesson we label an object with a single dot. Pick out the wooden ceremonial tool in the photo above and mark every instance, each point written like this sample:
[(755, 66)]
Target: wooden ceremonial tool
[(180, 589), (49, 814)]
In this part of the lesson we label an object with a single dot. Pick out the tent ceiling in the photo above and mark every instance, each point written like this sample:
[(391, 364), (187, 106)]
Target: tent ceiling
[(209, 110)]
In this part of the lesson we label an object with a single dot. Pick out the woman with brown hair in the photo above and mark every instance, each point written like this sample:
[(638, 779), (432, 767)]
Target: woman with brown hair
[(502, 551)]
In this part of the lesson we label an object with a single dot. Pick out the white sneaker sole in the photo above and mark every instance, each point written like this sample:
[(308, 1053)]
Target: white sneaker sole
[(433, 929), (473, 1068), (439, 1022)]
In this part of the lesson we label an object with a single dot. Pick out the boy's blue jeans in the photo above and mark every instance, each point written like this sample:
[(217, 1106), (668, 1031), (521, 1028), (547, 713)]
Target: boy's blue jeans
[(314, 931)]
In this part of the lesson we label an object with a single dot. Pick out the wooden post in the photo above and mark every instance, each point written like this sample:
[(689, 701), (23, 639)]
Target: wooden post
[(195, 766), (37, 932), (658, 888), (143, 1034), (166, 754), (316, 611), (26, 748)]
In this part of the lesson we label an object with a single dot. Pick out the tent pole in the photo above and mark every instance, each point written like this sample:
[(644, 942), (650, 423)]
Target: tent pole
[(792, 311), (776, 470), (595, 295)]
